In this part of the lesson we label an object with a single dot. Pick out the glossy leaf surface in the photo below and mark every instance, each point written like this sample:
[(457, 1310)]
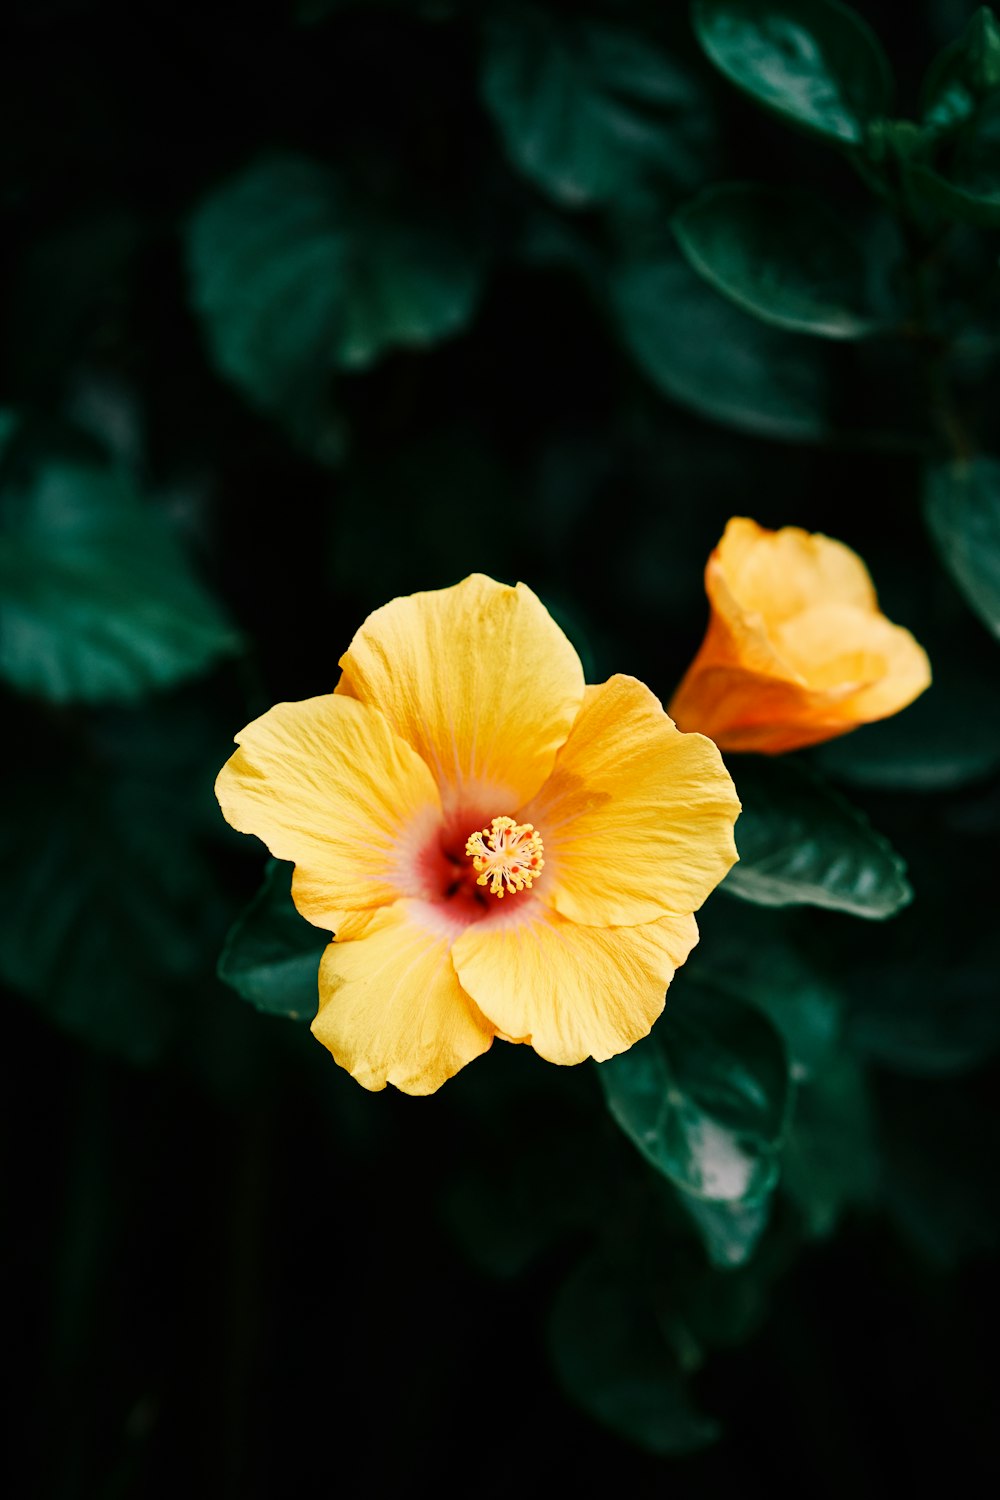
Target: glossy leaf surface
[(801, 843), (703, 1097), (814, 62), (714, 359), (779, 255)]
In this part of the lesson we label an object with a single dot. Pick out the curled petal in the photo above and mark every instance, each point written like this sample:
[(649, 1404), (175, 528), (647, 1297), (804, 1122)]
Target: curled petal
[(777, 574), (796, 650), (478, 678), (392, 1009), (573, 992), (637, 818), (327, 783)]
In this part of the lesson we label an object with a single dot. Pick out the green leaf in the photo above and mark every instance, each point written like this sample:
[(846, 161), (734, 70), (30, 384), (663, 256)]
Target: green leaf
[(780, 255), (754, 956), (829, 1160), (295, 276), (587, 109), (801, 843), (730, 1232), (714, 359), (965, 184), (963, 74), (815, 63), (962, 507), (611, 1357), (272, 954), (703, 1096), (110, 913), (97, 603), (700, 1310), (956, 168)]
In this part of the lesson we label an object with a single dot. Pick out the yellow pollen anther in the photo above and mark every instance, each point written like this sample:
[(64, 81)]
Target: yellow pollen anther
[(507, 856)]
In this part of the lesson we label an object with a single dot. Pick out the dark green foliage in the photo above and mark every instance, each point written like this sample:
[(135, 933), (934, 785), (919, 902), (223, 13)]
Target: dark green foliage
[(801, 843), (306, 306), (97, 603), (704, 1096), (762, 961), (781, 256), (297, 277), (814, 62), (962, 504), (590, 111), (949, 738), (964, 75), (272, 954), (712, 358), (601, 1323), (112, 911), (829, 1158), (961, 113)]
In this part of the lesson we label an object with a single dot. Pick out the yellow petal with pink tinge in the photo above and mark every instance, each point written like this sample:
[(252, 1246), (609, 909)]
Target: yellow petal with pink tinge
[(327, 783), (392, 1009), (478, 678), (637, 818), (573, 992)]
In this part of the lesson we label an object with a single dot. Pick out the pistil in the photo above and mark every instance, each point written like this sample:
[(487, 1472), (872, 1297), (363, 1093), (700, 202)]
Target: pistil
[(508, 856)]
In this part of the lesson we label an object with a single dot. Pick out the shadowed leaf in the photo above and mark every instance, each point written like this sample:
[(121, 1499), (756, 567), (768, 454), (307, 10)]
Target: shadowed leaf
[(801, 843), (814, 62), (97, 602), (703, 1097), (587, 109), (780, 255), (272, 953)]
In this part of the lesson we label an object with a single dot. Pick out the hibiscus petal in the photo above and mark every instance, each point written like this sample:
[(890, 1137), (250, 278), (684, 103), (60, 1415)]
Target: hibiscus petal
[(780, 573), (327, 783), (392, 1009), (572, 992), (637, 818), (875, 666), (479, 679)]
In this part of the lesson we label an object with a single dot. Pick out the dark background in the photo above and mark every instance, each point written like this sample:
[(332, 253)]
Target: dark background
[(229, 1270)]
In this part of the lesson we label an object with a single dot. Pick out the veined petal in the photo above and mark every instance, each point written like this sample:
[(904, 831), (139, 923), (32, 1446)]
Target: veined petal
[(877, 667), (637, 818), (478, 678), (743, 710), (327, 783), (780, 573), (572, 992), (391, 1009)]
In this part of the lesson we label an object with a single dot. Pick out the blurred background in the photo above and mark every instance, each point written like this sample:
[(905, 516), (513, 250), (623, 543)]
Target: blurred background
[(309, 305)]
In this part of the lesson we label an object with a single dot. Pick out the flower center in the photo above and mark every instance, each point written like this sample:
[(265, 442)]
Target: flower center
[(507, 856)]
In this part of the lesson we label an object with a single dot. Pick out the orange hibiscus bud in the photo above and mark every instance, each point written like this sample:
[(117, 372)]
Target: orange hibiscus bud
[(797, 650)]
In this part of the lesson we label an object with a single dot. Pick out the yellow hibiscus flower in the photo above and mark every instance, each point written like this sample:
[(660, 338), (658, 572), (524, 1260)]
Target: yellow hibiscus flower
[(500, 849), (797, 650)]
